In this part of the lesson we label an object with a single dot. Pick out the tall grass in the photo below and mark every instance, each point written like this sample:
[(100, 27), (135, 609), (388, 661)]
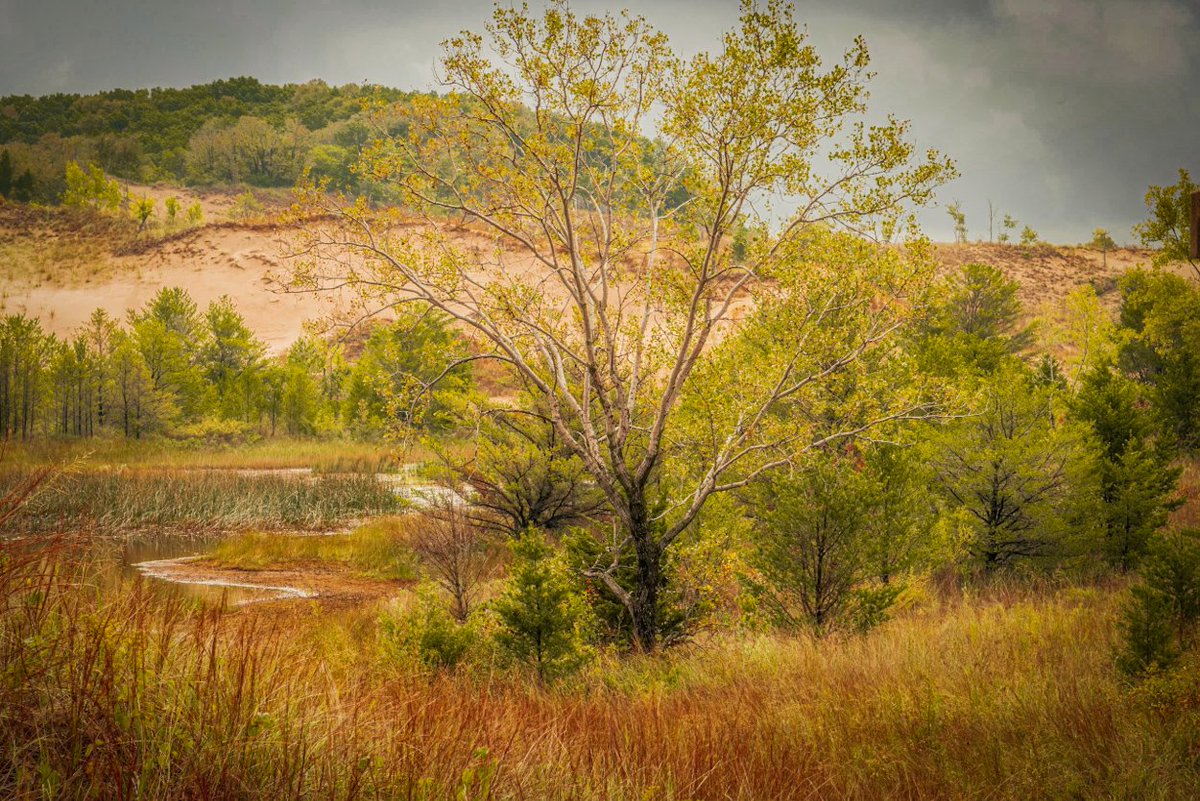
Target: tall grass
[(122, 501), (121, 695), (322, 455)]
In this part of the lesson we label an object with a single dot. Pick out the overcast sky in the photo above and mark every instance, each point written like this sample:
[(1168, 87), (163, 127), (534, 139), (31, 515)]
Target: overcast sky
[(1059, 111)]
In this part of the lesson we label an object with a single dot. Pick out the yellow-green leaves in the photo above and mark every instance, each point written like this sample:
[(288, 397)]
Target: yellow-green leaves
[(90, 188)]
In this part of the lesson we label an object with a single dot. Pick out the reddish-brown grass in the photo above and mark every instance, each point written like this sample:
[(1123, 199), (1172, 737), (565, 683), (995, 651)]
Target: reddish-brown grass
[(124, 693)]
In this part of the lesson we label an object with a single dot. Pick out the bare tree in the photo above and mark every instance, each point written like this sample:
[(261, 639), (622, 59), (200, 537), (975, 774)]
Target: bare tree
[(456, 554)]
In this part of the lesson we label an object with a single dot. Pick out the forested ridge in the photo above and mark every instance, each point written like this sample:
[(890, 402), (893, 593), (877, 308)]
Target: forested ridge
[(237, 130)]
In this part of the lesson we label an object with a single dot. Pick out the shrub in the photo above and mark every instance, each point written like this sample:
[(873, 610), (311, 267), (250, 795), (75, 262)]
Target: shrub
[(427, 635), (869, 606)]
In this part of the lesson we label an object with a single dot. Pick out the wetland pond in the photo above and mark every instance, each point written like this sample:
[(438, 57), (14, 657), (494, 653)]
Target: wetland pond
[(170, 559)]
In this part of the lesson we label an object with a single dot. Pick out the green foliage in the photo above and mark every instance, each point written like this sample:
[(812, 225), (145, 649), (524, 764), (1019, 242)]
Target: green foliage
[(245, 207), (1137, 473), (1149, 642), (587, 554), (1169, 228), (869, 605), (90, 188), (1160, 347), (142, 209), (227, 131), (171, 207), (1007, 227), (170, 370), (522, 474), (899, 536), (171, 338), (973, 326), (24, 352), (250, 150), (538, 612), (233, 361), (23, 187), (1172, 571), (960, 222), (402, 382), (195, 215), (6, 174), (1022, 471), (568, 328), (1029, 236), (376, 550), (1161, 615), (1102, 240), (836, 539), (427, 634), (812, 549)]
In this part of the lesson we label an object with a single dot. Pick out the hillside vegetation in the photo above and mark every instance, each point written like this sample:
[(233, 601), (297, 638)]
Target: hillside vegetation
[(229, 131)]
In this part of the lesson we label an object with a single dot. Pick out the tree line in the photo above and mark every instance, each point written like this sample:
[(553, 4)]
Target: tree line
[(231, 131), (172, 369)]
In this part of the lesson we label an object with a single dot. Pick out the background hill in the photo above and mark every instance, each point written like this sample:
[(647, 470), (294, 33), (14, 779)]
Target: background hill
[(59, 264), (226, 132), (208, 144)]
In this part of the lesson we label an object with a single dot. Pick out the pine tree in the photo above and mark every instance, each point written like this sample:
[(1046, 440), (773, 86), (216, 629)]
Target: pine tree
[(1160, 618), (537, 611), (22, 188), (1137, 475)]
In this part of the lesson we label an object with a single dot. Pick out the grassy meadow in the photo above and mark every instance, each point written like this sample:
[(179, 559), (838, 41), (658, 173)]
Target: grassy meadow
[(375, 550), (1008, 693)]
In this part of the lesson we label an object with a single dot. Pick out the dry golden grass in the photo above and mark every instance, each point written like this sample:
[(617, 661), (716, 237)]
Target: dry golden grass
[(1011, 696), (57, 247)]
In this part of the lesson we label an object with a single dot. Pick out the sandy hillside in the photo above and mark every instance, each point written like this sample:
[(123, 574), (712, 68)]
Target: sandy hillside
[(1048, 273), (209, 262), (60, 267)]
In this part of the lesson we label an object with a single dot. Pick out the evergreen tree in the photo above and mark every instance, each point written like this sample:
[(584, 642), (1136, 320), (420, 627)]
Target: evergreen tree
[(1161, 616), (538, 612), (813, 546), (22, 188), (1020, 471), (1137, 473), (1160, 347), (975, 326)]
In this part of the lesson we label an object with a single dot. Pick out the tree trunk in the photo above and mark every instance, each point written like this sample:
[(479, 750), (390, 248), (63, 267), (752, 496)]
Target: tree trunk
[(643, 600)]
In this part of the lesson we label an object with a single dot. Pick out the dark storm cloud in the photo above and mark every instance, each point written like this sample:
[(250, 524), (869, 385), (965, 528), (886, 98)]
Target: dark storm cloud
[(1060, 111)]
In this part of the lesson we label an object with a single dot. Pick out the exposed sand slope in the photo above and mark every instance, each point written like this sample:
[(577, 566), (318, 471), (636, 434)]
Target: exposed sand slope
[(209, 262), (239, 260), (1048, 273)]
